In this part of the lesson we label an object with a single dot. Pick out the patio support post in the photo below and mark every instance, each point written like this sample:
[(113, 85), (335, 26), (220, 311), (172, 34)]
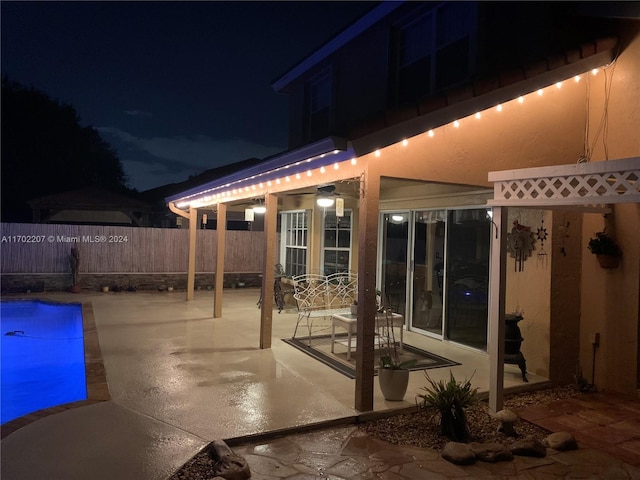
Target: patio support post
[(367, 261), (221, 232), (496, 309), (191, 266), (268, 269)]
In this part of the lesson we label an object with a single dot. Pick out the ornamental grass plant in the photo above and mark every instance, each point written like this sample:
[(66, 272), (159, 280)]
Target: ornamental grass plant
[(450, 398)]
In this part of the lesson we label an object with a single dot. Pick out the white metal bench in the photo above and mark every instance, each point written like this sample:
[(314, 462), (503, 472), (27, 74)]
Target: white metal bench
[(323, 295)]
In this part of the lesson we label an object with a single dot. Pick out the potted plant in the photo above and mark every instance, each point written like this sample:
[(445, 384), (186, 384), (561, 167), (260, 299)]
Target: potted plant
[(450, 398), (606, 249), (393, 374)]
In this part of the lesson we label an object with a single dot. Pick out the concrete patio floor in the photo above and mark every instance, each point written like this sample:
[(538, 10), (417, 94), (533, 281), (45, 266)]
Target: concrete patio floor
[(179, 379)]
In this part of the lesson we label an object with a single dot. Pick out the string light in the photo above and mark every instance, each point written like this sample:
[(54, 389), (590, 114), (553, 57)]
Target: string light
[(202, 201)]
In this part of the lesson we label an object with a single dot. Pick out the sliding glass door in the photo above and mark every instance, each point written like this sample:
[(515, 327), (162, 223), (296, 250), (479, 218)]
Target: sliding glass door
[(395, 238), (435, 271), (467, 277), (429, 229)]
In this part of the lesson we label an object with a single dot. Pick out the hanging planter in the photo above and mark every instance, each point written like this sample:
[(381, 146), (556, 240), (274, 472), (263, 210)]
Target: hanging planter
[(606, 249), (608, 261)]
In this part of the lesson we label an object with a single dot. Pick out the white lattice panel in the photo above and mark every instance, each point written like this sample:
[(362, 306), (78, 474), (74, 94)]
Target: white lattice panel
[(616, 181)]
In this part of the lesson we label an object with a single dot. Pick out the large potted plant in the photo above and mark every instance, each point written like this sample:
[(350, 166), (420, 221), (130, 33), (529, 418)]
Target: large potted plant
[(606, 249), (393, 374)]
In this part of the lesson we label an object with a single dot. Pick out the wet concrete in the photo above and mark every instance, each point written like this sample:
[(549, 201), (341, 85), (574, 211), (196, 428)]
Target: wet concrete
[(179, 379)]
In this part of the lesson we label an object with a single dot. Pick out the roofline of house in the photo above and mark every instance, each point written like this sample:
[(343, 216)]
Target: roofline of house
[(461, 104), (337, 42), (295, 161)]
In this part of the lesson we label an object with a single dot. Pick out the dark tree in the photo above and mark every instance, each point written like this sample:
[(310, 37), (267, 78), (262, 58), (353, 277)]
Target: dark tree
[(45, 151)]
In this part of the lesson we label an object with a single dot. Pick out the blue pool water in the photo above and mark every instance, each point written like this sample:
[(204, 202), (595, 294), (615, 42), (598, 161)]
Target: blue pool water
[(41, 356)]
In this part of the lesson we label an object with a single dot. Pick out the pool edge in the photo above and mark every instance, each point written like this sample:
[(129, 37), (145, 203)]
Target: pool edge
[(97, 387)]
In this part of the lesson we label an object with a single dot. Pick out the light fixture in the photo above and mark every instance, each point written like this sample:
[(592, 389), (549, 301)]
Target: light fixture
[(397, 218), (259, 207), (325, 202)]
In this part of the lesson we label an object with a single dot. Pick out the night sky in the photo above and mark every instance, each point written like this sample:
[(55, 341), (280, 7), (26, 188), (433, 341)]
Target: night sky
[(175, 87)]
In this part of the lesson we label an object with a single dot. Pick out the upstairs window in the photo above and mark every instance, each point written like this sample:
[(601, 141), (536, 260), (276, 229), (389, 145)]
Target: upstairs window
[(318, 102), (434, 51)]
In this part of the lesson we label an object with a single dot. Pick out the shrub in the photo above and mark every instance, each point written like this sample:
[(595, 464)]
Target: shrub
[(450, 398)]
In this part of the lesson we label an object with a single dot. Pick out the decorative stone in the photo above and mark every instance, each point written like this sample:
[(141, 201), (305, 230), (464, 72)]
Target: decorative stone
[(491, 452), (529, 447), (228, 465), (507, 418), (458, 453), (561, 441)]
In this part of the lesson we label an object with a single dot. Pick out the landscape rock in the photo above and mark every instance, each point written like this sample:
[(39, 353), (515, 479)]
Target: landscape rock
[(458, 453), (491, 452), (529, 447), (561, 441), (228, 465)]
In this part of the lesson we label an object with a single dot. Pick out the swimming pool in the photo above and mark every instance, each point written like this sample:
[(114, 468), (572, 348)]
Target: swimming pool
[(41, 356)]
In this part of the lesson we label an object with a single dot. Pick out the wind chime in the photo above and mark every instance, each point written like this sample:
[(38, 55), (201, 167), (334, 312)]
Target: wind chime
[(520, 244), (541, 235)]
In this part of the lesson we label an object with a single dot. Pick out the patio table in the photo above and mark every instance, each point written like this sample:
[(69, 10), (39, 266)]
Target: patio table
[(349, 322)]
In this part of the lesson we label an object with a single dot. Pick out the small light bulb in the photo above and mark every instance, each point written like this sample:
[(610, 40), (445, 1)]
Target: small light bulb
[(287, 179), (353, 162), (336, 166), (431, 133), (308, 173), (277, 181), (594, 71), (520, 99), (297, 176), (559, 85), (577, 78), (540, 92), (499, 108), (478, 115), (322, 170), (456, 124), (377, 153), (405, 142)]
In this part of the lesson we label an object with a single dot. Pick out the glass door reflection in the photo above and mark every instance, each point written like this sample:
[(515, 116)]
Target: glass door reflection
[(395, 240), (428, 271)]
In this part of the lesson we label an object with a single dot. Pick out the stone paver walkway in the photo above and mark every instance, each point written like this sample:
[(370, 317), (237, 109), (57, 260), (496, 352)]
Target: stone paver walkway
[(607, 422), (607, 428), (346, 453)]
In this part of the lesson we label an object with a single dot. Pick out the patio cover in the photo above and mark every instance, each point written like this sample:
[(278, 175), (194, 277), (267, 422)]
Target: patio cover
[(587, 186)]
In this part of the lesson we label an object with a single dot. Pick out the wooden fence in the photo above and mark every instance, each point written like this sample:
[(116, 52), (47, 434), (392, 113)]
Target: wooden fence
[(45, 248)]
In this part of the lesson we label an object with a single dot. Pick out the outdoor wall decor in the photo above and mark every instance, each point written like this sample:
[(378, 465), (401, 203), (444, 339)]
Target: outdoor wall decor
[(541, 235), (520, 244)]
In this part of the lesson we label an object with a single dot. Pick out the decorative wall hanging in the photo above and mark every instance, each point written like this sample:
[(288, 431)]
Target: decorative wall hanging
[(520, 244), (541, 235)]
